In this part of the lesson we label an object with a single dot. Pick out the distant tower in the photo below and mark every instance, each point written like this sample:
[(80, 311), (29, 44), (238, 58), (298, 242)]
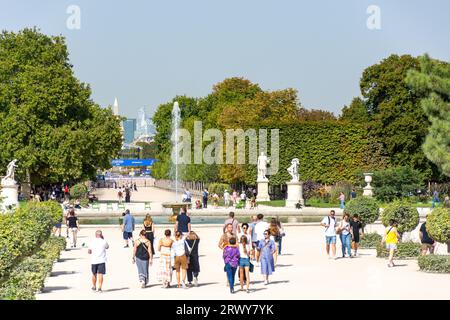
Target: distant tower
[(116, 107)]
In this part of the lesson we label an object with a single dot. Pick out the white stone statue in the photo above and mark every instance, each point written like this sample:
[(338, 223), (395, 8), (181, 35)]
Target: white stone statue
[(262, 166), (10, 170), (293, 170)]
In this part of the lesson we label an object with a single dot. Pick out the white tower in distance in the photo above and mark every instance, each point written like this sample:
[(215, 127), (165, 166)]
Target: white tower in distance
[(116, 107)]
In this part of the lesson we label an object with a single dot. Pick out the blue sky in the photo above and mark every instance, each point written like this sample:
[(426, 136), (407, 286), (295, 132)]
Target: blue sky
[(146, 52)]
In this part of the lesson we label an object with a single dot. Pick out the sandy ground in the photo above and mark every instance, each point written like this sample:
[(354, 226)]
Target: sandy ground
[(303, 272)]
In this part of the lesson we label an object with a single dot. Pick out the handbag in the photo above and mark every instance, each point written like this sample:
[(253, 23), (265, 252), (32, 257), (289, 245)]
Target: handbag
[(251, 267), (189, 250)]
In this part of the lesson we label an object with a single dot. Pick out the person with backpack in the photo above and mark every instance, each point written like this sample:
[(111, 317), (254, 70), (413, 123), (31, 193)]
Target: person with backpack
[(329, 223), (344, 234), (391, 238), (192, 242), (205, 198), (231, 220), (143, 257)]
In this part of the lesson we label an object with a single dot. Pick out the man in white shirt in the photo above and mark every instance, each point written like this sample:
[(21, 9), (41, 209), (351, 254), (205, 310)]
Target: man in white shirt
[(329, 222), (260, 227), (226, 198), (97, 250)]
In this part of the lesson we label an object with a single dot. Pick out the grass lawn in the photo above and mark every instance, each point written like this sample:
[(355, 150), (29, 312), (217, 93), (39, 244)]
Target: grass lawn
[(273, 203)]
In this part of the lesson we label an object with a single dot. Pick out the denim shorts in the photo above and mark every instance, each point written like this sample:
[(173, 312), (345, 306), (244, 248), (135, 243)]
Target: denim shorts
[(390, 246), (127, 235), (244, 262), (330, 239)]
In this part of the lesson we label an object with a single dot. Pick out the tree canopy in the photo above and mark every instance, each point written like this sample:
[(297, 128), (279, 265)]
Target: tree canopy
[(47, 118)]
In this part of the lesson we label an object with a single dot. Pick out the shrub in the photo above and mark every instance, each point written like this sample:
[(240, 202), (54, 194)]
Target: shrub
[(405, 250), (78, 191), (438, 224), (29, 275), (312, 189), (25, 230), (370, 240), (406, 216), (366, 208), (396, 183), (218, 188), (434, 263)]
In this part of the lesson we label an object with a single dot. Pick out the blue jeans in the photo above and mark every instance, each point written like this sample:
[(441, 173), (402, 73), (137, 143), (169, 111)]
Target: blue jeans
[(279, 245), (231, 272), (345, 240), (342, 204)]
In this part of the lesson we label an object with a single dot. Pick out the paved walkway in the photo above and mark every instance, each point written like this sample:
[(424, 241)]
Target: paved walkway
[(303, 272)]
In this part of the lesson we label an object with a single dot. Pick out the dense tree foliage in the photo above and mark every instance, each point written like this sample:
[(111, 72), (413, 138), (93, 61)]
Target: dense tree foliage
[(47, 118), (433, 81)]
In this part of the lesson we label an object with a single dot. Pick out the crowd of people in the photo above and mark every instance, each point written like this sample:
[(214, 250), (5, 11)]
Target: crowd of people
[(350, 231), (230, 199), (242, 245)]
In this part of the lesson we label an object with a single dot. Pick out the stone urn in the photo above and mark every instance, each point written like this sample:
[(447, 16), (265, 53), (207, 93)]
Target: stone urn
[(368, 190)]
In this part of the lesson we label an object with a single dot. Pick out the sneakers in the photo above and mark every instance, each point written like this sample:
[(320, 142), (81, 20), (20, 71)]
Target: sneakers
[(183, 285), (231, 290), (142, 284), (99, 290), (126, 246), (195, 282), (94, 289), (266, 282)]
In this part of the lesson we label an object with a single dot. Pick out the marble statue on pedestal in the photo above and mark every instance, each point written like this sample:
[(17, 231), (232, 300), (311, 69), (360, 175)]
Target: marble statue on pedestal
[(263, 160), (10, 171), (293, 170), (9, 189)]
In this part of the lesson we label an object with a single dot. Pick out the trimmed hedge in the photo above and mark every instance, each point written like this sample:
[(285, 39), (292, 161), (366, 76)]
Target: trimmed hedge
[(370, 240), (405, 250), (434, 263), (438, 225), (25, 230), (366, 208), (406, 216), (78, 191), (28, 277)]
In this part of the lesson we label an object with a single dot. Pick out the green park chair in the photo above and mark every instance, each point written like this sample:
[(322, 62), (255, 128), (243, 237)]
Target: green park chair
[(147, 206), (95, 206), (240, 204)]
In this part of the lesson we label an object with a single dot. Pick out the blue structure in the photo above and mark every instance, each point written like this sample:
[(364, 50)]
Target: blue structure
[(133, 162), (129, 127)]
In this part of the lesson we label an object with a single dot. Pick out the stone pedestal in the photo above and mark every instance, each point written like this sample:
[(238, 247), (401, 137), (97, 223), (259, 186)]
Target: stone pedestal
[(263, 190), (9, 194), (368, 190), (294, 194)]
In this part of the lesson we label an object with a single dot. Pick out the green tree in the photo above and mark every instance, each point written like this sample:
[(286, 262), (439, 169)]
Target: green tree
[(356, 112), (148, 149), (433, 80), (397, 120), (47, 118)]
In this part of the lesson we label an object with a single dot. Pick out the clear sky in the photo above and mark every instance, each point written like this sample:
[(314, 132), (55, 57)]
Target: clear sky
[(146, 52)]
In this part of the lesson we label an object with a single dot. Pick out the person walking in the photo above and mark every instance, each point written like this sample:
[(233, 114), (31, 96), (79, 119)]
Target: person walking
[(357, 231), (183, 223), (143, 257), (149, 229), (353, 193), (120, 195), (282, 235), (165, 259), (251, 231), (342, 200), (205, 198), (234, 197), (245, 248), (260, 228), (231, 220), (74, 226), (427, 242), (344, 234), (192, 243), (215, 198), (267, 249), (226, 198), (275, 236), (435, 198), (231, 257), (329, 223), (391, 238), (97, 249), (179, 252), (128, 228)]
